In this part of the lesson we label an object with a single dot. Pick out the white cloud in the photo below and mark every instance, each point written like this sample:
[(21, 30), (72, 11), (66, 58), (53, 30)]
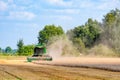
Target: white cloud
[(84, 4), (10, 1), (60, 2), (21, 15), (63, 11), (72, 3), (3, 6), (68, 11), (109, 4), (59, 17)]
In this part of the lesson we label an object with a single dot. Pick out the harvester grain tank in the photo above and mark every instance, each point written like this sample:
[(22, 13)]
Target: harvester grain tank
[(40, 53)]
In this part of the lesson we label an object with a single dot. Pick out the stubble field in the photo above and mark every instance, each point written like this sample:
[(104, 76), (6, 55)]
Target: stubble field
[(72, 68)]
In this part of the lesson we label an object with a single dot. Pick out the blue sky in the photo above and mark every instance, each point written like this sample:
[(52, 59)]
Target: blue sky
[(23, 19)]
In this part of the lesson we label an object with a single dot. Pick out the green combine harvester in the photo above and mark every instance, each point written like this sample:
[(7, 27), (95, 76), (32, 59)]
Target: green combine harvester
[(40, 53)]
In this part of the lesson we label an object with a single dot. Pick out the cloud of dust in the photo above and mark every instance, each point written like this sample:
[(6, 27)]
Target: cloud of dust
[(61, 46), (111, 36)]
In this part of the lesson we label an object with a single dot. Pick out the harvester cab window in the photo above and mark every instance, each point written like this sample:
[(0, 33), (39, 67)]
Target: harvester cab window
[(38, 51)]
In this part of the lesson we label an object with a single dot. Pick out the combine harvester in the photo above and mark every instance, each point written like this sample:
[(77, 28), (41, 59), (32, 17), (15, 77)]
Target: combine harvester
[(40, 53)]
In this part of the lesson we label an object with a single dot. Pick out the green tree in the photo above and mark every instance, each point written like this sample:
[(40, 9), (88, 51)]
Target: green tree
[(92, 32), (8, 49), (28, 50), (111, 28), (48, 32), (20, 45), (79, 44), (0, 50), (88, 33), (110, 18)]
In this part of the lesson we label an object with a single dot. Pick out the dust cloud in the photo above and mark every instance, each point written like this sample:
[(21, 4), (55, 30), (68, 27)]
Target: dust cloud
[(61, 46)]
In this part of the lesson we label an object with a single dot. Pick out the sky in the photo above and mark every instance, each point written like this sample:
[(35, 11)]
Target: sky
[(23, 19)]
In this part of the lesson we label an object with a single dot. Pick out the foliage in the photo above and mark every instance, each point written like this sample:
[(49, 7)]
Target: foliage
[(79, 44), (0, 50), (111, 28), (88, 33), (20, 47), (24, 50), (28, 50), (48, 32), (8, 49)]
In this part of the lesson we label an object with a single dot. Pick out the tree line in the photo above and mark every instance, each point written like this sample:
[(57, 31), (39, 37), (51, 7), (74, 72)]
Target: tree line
[(83, 36)]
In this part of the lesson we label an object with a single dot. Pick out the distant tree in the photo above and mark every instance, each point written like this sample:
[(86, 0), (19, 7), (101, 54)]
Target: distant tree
[(92, 32), (88, 33), (8, 49), (111, 29), (28, 50), (110, 17), (0, 50), (48, 32), (20, 45), (79, 44)]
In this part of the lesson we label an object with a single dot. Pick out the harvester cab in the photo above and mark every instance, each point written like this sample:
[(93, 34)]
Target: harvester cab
[(39, 53), (39, 50)]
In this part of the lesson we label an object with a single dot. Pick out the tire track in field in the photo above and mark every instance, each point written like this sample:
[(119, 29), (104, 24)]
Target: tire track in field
[(9, 73), (32, 69), (49, 70), (52, 72)]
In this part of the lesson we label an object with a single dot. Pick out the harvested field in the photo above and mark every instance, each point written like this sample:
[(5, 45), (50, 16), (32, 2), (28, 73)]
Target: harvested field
[(61, 69), (112, 64)]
